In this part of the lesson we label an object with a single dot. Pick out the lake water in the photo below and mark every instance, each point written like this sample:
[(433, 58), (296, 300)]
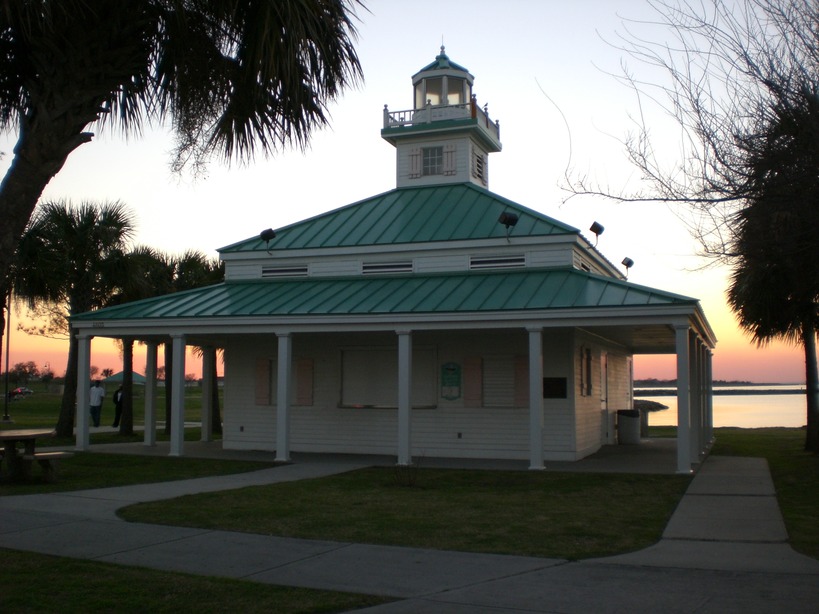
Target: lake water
[(743, 410)]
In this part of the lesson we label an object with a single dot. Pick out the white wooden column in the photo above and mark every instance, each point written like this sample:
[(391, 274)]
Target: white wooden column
[(208, 362), (709, 397), (404, 397), (83, 388), (703, 396), (284, 368), (683, 401), (178, 395), (150, 394), (535, 398), (695, 415)]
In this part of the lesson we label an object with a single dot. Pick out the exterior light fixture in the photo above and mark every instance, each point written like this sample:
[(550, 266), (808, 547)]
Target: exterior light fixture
[(597, 228), (267, 236), (508, 219), (628, 263)]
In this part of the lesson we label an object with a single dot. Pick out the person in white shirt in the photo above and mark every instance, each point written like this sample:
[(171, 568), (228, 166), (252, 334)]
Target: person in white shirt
[(96, 394)]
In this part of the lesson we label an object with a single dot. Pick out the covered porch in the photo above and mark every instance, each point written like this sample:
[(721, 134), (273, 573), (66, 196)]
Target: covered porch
[(683, 335)]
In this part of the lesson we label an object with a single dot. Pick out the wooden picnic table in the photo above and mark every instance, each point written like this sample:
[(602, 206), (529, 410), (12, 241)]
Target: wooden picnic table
[(18, 462)]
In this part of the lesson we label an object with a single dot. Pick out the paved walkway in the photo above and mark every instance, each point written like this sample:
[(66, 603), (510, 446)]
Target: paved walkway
[(724, 550)]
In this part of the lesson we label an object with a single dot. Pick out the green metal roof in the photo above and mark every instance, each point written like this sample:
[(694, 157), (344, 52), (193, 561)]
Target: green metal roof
[(451, 212), (442, 62), (535, 289)]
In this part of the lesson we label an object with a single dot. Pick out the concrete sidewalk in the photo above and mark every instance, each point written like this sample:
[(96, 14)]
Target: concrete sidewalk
[(724, 550)]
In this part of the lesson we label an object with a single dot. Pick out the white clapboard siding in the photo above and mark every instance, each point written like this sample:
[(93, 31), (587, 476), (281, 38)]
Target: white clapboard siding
[(322, 425), (335, 267), (554, 256)]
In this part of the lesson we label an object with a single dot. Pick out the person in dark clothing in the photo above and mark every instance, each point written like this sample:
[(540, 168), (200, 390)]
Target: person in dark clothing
[(117, 406)]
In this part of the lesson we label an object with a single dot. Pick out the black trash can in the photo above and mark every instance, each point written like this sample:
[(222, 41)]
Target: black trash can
[(628, 426)]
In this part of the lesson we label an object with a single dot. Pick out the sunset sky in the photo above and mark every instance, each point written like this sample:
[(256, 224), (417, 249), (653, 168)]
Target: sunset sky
[(535, 63)]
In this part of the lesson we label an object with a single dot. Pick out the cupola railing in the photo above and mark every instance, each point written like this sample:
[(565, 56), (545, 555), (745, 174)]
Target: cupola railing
[(433, 113)]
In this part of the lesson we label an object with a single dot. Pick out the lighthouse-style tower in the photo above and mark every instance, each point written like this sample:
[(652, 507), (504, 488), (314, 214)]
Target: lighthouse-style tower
[(446, 137)]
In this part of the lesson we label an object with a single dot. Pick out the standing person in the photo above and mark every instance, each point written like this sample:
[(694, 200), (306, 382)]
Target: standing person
[(96, 394), (117, 406)]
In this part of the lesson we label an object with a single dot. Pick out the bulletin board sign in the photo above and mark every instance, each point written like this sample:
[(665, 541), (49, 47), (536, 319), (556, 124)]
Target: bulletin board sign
[(451, 381)]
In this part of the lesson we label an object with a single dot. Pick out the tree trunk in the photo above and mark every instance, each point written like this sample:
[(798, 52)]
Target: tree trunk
[(4, 302), (41, 151), (812, 388), (65, 421), (126, 422), (216, 422), (168, 385)]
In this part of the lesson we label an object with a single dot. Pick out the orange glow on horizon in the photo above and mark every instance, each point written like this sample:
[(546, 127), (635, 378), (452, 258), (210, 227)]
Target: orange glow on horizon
[(105, 354)]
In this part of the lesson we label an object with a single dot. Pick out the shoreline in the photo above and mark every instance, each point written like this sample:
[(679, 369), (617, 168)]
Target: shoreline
[(672, 392)]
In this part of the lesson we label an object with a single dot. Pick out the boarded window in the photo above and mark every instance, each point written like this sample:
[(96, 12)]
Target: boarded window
[(267, 376), (369, 377)]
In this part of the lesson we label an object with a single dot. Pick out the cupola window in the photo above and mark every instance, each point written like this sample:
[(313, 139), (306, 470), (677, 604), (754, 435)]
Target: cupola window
[(432, 90), (438, 91), (433, 162), (456, 91)]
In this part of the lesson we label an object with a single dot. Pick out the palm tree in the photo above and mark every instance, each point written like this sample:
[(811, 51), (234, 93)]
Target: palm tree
[(198, 271), (151, 273), (72, 257), (230, 77), (146, 273), (193, 270), (774, 287)]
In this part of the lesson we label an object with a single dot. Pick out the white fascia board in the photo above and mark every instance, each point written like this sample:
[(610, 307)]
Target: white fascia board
[(671, 316), (402, 248), (587, 248)]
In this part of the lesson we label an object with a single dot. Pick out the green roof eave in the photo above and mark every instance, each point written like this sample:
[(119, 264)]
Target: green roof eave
[(452, 212), (447, 293)]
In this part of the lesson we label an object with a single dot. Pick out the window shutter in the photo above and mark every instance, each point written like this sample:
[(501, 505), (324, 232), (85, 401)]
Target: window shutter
[(499, 381), (263, 381), (521, 381), (304, 381), (415, 163), (449, 159), (473, 381)]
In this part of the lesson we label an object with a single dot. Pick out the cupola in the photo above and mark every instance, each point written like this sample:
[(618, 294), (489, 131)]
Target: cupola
[(446, 137), (442, 83)]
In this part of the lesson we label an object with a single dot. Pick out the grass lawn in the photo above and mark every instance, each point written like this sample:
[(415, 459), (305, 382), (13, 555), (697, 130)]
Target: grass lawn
[(40, 583), (87, 586), (87, 470), (562, 515), (41, 409)]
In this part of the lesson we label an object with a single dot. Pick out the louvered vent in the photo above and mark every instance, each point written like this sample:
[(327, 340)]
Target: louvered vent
[(497, 262), (372, 268), (285, 271)]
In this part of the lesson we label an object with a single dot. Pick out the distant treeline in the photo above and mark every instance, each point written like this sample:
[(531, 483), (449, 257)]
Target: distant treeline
[(668, 388), (665, 383)]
